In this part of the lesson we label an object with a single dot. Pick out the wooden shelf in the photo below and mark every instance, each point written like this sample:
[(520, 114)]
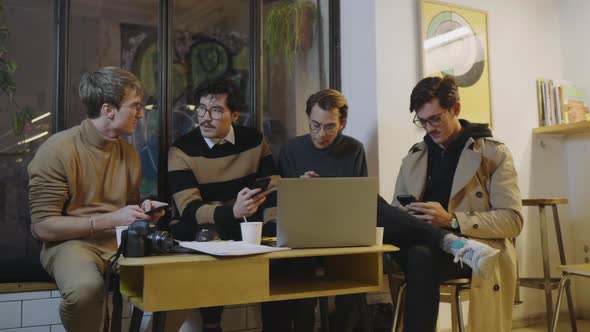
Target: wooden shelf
[(543, 201), (287, 289), (16, 287), (564, 129)]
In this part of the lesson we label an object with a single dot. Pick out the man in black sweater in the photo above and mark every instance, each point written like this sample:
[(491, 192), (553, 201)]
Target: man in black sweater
[(327, 152)]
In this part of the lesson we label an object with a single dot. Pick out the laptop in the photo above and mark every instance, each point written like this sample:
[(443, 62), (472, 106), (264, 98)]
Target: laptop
[(326, 212)]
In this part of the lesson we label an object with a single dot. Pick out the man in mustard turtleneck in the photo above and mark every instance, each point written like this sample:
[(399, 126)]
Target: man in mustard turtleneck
[(83, 182)]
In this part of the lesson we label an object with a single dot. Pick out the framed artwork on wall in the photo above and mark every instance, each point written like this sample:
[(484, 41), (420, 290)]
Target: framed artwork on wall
[(455, 42)]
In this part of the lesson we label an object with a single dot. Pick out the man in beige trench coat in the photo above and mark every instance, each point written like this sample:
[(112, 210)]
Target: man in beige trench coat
[(466, 183)]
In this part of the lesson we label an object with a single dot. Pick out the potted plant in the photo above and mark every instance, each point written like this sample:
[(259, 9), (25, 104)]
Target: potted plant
[(8, 81), (289, 27)]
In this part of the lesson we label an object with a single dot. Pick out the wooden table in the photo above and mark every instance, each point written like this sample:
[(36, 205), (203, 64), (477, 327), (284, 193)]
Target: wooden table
[(164, 283)]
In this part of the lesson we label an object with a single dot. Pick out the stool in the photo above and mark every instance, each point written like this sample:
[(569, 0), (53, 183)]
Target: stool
[(450, 292), (580, 270), (547, 283)]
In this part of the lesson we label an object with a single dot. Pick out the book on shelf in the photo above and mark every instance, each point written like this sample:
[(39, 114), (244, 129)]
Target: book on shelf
[(540, 103), (560, 102), (574, 104)]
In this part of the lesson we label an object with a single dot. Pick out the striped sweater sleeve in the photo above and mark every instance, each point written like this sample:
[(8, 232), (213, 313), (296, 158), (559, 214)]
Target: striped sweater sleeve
[(268, 210), (184, 189)]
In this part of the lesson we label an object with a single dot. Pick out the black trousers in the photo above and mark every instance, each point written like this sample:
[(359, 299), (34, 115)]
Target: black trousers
[(425, 264), (211, 315), (425, 268), (299, 315), (291, 315), (404, 230)]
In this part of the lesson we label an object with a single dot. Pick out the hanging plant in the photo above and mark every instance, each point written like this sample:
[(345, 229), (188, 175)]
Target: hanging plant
[(8, 81), (288, 27)]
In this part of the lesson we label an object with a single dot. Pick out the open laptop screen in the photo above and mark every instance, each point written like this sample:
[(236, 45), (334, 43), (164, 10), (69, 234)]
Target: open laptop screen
[(327, 212)]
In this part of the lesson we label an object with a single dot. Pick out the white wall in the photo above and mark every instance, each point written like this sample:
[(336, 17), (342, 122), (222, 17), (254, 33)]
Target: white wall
[(524, 44), (359, 75), (575, 22)]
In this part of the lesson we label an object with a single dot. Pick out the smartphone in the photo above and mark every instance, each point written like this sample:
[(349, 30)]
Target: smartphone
[(406, 199), (153, 211), (261, 183)]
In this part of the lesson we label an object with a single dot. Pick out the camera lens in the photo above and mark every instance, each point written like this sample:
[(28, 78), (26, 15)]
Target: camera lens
[(207, 234), (161, 241)]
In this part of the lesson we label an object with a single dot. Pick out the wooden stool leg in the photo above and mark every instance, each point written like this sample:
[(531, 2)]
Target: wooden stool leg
[(564, 281), (398, 302), (568, 292), (459, 309), (546, 269), (455, 307)]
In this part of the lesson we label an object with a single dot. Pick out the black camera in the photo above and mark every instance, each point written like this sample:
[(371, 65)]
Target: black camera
[(142, 239)]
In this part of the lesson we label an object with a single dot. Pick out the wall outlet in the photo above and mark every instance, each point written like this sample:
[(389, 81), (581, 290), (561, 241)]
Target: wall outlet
[(586, 251)]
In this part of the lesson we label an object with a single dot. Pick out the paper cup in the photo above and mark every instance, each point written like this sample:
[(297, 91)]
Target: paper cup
[(251, 232), (119, 230), (379, 236)]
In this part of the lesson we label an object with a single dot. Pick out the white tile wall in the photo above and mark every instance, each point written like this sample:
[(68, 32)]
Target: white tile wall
[(25, 296), (29, 329), (58, 328), (39, 312), (10, 314)]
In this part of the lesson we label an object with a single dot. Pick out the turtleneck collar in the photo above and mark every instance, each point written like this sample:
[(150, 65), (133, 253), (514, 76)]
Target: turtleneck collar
[(92, 136), (334, 146)]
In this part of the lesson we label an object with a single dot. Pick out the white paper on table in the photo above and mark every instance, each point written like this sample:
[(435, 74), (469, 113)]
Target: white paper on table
[(228, 248)]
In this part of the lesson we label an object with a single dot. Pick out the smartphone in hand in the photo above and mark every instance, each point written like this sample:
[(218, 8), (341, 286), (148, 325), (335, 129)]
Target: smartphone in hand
[(406, 199), (261, 183), (166, 208)]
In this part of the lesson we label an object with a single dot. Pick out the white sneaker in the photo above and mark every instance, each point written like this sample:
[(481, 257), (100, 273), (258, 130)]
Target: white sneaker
[(480, 257)]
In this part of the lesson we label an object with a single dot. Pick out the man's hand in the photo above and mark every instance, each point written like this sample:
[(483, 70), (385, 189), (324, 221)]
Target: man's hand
[(310, 174), (248, 201), (432, 212), (126, 215), (149, 205)]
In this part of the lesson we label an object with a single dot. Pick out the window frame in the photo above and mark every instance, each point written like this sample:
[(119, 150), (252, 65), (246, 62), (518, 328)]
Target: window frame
[(62, 27)]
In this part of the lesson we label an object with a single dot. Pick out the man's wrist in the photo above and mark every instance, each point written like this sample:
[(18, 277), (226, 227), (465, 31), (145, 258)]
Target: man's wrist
[(91, 222), (103, 222), (454, 223)]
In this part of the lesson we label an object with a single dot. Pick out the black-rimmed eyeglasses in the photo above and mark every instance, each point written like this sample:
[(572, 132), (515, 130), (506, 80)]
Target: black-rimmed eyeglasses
[(434, 120), (316, 127), (216, 113)]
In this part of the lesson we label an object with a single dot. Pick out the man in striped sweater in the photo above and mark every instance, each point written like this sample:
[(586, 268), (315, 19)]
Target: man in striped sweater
[(210, 170)]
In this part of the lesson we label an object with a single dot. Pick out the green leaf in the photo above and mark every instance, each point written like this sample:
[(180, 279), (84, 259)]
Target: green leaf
[(19, 119), (11, 67), (29, 113)]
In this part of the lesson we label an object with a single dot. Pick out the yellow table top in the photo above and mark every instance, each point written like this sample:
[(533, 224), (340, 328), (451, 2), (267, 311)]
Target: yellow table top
[(293, 253)]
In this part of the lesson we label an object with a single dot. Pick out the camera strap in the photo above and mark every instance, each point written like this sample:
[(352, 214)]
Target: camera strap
[(111, 263)]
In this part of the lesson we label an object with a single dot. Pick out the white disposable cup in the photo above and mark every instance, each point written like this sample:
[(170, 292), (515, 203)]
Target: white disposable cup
[(119, 230), (251, 232), (379, 236)]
